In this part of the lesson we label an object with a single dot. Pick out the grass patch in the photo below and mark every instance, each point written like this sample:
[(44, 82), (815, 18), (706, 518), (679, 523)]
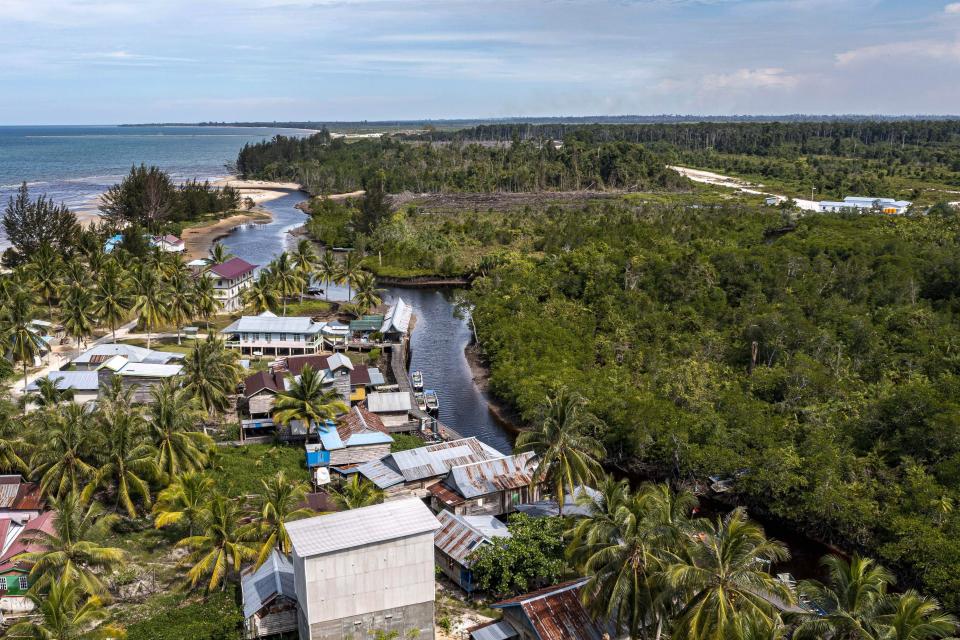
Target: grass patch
[(215, 617), (238, 470), (309, 308), (404, 441), (161, 344)]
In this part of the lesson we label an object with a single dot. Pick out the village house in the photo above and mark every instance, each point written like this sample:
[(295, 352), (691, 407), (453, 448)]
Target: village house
[(19, 500), (458, 538), (396, 321), (168, 243), (94, 358), (16, 538), (269, 598), (414, 471), (357, 437), (267, 334), (230, 279), (141, 377), (553, 613), (488, 487), (84, 385), (365, 571), (393, 408)]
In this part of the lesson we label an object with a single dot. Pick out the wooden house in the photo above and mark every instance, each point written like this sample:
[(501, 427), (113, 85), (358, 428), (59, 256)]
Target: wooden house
[(269, 598), (489, 487), (457, 539)]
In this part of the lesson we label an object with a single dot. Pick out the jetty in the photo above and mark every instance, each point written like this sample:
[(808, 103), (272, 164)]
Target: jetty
[(423, 423)]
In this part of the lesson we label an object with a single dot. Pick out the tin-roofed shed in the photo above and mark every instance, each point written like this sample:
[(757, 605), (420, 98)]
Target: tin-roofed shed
[(490, 487), (269, 598)]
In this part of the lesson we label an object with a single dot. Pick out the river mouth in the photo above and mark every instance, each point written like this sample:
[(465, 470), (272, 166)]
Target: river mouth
[(440, 336)]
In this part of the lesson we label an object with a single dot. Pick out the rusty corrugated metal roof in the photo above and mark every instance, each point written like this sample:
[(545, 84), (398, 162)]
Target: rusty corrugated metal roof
[(456, 538), (17, 494), (492, 476), (556, 613)]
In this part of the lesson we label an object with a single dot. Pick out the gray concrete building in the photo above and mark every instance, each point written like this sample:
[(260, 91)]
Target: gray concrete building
[(364, 571)]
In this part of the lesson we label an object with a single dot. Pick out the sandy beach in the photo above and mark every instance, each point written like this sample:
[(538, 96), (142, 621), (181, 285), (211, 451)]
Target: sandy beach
[(259, 191), (198, 240)]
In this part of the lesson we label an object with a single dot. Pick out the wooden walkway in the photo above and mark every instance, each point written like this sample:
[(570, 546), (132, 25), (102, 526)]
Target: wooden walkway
[(398, 366)]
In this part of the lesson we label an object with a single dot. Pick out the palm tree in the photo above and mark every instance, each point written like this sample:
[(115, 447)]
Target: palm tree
[(44, 268), (348, 271), (21, 340), (277, 504), (205, 299), (567, 455), (174, 412), (62, 463), (367, 296), (49, 394), (211, 373), (222, 545), (328, 270), (76, 312), (262, 294), (308, 401), (111, 301), (127, 462), (73, 551), (219, 254), (356, 493), (305, 262), (183, 501), (13, 449), (914, 617), (64, 613), (182, 305), (285, 277), (721, 576), (151, 299), (852, 599)]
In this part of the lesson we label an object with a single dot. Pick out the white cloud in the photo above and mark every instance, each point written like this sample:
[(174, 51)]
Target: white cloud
[(126, 58), (927, 49), (953, 8), (761, 78)]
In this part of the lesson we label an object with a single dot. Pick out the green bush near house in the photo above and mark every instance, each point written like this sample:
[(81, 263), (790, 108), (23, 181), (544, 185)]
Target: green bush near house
[(217, 617), (402, 442), (238, 470)]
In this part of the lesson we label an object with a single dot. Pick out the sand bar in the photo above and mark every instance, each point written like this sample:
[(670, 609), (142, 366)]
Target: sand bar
[(198, 240)]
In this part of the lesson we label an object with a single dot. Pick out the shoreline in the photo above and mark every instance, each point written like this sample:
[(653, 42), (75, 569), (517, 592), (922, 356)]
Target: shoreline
[(259, 191), (199, 240), (503, 414)]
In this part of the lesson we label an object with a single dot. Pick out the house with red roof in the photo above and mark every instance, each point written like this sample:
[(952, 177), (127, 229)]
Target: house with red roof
[(19, 500), (230, 279), (18, 537)]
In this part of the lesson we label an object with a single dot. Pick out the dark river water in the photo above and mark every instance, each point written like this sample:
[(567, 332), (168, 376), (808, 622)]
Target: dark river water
[(439, 336)]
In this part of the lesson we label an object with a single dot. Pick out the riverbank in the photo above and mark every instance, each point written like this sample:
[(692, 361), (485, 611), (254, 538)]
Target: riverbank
[(198, 240), (259, 191), (503, 414)]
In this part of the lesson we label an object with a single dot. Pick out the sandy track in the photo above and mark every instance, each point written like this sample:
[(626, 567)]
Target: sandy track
[(708, 177)]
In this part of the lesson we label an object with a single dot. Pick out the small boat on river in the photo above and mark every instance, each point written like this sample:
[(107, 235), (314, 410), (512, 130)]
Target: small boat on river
[(421, 401), (433, 402), (418, 380)]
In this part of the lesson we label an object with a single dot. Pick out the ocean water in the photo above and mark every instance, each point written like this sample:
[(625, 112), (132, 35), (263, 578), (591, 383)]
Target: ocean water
[(75, 164)]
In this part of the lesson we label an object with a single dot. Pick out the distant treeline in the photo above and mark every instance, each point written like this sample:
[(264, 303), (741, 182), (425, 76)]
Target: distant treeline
[(326, 165)]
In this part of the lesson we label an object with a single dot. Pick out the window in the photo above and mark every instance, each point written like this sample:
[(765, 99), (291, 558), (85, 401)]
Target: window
[(24, 583), (479, 502)]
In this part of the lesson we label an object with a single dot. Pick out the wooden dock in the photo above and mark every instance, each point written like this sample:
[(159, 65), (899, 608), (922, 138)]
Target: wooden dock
[(398, 366)]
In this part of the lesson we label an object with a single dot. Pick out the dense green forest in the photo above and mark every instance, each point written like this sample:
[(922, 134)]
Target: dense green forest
[(815, 364)]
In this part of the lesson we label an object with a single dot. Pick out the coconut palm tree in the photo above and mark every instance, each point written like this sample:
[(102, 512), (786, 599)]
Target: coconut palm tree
[(222, 545), (183, 501), (126, 460), (219, 254), (853, 598), (205, 299), (151, 298), (64, 612), (62, 463), (45, 268), (211, 374), (111, 300), (76, 312), (914, 617), (285, 277), (13, 449), (262, 294), (356, 493), (49, 394), (567, 454), (277, 504), (367, 296), (308, 401), (327, 270), (304, 260), (721, 576), (73, 551), (173, 414), (182, 304), (348, 271), (21, 339)]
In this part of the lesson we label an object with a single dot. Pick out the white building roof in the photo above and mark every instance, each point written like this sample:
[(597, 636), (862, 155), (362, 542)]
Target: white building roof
[(397, 317), (75, 380), (390, 402), (103, 352), (359, 527), (273, 578), (338, 360), (148, 370), (273, 324)]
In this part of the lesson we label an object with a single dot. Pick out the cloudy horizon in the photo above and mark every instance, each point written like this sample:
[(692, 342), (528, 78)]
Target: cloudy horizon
[(85, 62)]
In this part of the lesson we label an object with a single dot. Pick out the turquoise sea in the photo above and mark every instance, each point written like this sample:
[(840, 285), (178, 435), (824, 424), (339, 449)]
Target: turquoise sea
[(75, 164)]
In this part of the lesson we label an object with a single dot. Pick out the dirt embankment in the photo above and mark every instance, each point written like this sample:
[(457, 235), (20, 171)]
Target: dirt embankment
[(505, 415), (198, 240)]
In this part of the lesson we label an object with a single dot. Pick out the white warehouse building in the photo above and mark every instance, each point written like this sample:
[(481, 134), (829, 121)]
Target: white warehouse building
[(857, 203), (365, 571)]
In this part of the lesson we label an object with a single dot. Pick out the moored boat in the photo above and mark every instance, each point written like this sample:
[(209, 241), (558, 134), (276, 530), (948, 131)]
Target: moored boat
[(418, 380), (421, 401), (433, 402)]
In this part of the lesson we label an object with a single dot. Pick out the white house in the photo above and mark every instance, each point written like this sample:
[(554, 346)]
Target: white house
[(85, 385), (94, 358), (861, 204), (168, 243), (267, 334), (230, 279), (364, 571)]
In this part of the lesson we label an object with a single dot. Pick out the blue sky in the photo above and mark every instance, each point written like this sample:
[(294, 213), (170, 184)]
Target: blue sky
[(87, 61)]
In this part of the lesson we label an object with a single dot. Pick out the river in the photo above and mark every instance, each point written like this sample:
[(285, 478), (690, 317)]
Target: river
[(439, 336)]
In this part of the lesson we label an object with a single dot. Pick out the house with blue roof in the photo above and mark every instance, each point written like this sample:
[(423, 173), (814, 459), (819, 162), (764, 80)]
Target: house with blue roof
[(269, 598), (357, 437)]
